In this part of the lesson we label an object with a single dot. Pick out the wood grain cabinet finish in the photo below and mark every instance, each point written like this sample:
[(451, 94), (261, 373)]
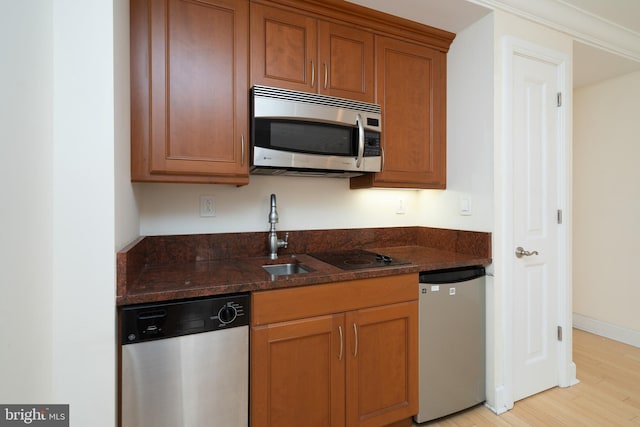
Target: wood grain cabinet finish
[(191, 72), (382, 346), (338, 368), (297, 51), (189, 85), (411, 89), (297, 377)]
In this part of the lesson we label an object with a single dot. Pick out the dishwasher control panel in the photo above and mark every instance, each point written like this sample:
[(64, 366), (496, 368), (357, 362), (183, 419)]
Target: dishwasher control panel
[(147, 322)]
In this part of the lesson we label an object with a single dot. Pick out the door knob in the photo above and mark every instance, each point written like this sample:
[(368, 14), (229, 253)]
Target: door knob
[(520, 252)]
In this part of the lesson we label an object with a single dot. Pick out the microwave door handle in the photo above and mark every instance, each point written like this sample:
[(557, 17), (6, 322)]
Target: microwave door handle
[(360, 140)]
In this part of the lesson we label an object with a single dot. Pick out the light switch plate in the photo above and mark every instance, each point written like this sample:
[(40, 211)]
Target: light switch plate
[(465, 205)]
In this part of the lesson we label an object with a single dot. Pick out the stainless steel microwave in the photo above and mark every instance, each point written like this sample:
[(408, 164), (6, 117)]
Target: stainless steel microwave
[(299, 133)]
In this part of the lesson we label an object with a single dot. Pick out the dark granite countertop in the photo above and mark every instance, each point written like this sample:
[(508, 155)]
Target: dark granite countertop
[(156, 269)]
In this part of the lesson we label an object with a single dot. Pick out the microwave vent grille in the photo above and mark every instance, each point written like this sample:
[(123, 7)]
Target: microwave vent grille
[(312, 98)]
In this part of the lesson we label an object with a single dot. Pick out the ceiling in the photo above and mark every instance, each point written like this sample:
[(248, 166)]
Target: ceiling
[(625, 13), (450, 15), (590, 64)]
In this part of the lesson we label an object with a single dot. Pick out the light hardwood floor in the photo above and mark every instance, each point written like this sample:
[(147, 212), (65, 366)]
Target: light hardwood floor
[(608, 393)]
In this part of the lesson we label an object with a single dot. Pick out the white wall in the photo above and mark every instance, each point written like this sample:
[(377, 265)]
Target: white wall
[(469, 135), (127, 223), (57, 252), (83, 278), (26, 237), (303, 204), (607, 205)]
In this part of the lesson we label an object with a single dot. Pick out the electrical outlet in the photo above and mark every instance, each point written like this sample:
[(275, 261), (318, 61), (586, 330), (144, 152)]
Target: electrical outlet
[(207, 206)]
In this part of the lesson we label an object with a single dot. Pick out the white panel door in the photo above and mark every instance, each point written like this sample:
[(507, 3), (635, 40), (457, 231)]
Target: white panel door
[(535, 202)]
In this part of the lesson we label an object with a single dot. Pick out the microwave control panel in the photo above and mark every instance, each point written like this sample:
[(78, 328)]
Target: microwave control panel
[(371, 144)]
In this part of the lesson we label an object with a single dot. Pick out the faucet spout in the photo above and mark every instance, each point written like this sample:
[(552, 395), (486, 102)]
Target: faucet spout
[(273, 213), (274, 242)]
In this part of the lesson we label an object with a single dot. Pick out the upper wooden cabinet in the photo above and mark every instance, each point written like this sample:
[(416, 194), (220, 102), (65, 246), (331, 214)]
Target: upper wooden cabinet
[(296, 51), (189, 91), (328, 47), (411, 90), (192, 64)]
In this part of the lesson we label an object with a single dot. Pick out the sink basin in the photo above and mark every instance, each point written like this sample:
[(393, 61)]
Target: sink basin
[(286, 269)]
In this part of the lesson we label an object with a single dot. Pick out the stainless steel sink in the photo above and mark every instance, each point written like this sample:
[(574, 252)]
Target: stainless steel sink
[(286, 269)]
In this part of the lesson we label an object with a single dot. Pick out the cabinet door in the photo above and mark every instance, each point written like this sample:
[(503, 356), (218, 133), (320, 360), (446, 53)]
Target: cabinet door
[(382, 366), (297, 373), (345, 67), (410, 87), (295, 51), (197, 89), (283, 49)]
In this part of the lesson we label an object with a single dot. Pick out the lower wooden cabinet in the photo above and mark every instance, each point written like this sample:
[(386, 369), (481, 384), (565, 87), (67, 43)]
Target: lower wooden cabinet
[(355, 367), (297, 377), (382, 364)]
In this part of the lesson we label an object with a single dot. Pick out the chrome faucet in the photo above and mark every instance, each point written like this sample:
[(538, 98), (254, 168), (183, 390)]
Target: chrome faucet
[(274, 242)]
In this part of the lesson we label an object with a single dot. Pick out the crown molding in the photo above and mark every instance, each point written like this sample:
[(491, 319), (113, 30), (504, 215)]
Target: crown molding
[(583, 26)]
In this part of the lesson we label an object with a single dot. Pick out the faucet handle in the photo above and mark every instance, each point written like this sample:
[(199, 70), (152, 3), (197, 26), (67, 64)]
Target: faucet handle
[(283, 243)]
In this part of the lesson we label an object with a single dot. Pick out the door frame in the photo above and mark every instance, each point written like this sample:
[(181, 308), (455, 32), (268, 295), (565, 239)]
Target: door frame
[(512, 46)]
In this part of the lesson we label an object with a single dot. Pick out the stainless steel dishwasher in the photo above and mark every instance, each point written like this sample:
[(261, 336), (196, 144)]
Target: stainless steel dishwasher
[(186, 363), (452, 341)]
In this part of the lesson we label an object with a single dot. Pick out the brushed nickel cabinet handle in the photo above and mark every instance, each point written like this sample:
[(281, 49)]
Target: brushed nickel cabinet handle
[(242, 152), (340, 331), (326, 75), (355, 332)]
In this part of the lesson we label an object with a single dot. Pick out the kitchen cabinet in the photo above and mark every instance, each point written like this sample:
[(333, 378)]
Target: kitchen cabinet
[(296, 376), (411, 90), (340, 354), (189, 85), (294, 50)]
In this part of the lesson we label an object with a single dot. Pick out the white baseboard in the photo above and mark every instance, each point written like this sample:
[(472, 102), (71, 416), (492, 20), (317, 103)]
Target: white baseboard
[(607, 330), (496, 401)]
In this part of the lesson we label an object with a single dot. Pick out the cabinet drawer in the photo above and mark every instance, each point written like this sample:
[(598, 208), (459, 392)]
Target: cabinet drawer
[(306, 301)]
